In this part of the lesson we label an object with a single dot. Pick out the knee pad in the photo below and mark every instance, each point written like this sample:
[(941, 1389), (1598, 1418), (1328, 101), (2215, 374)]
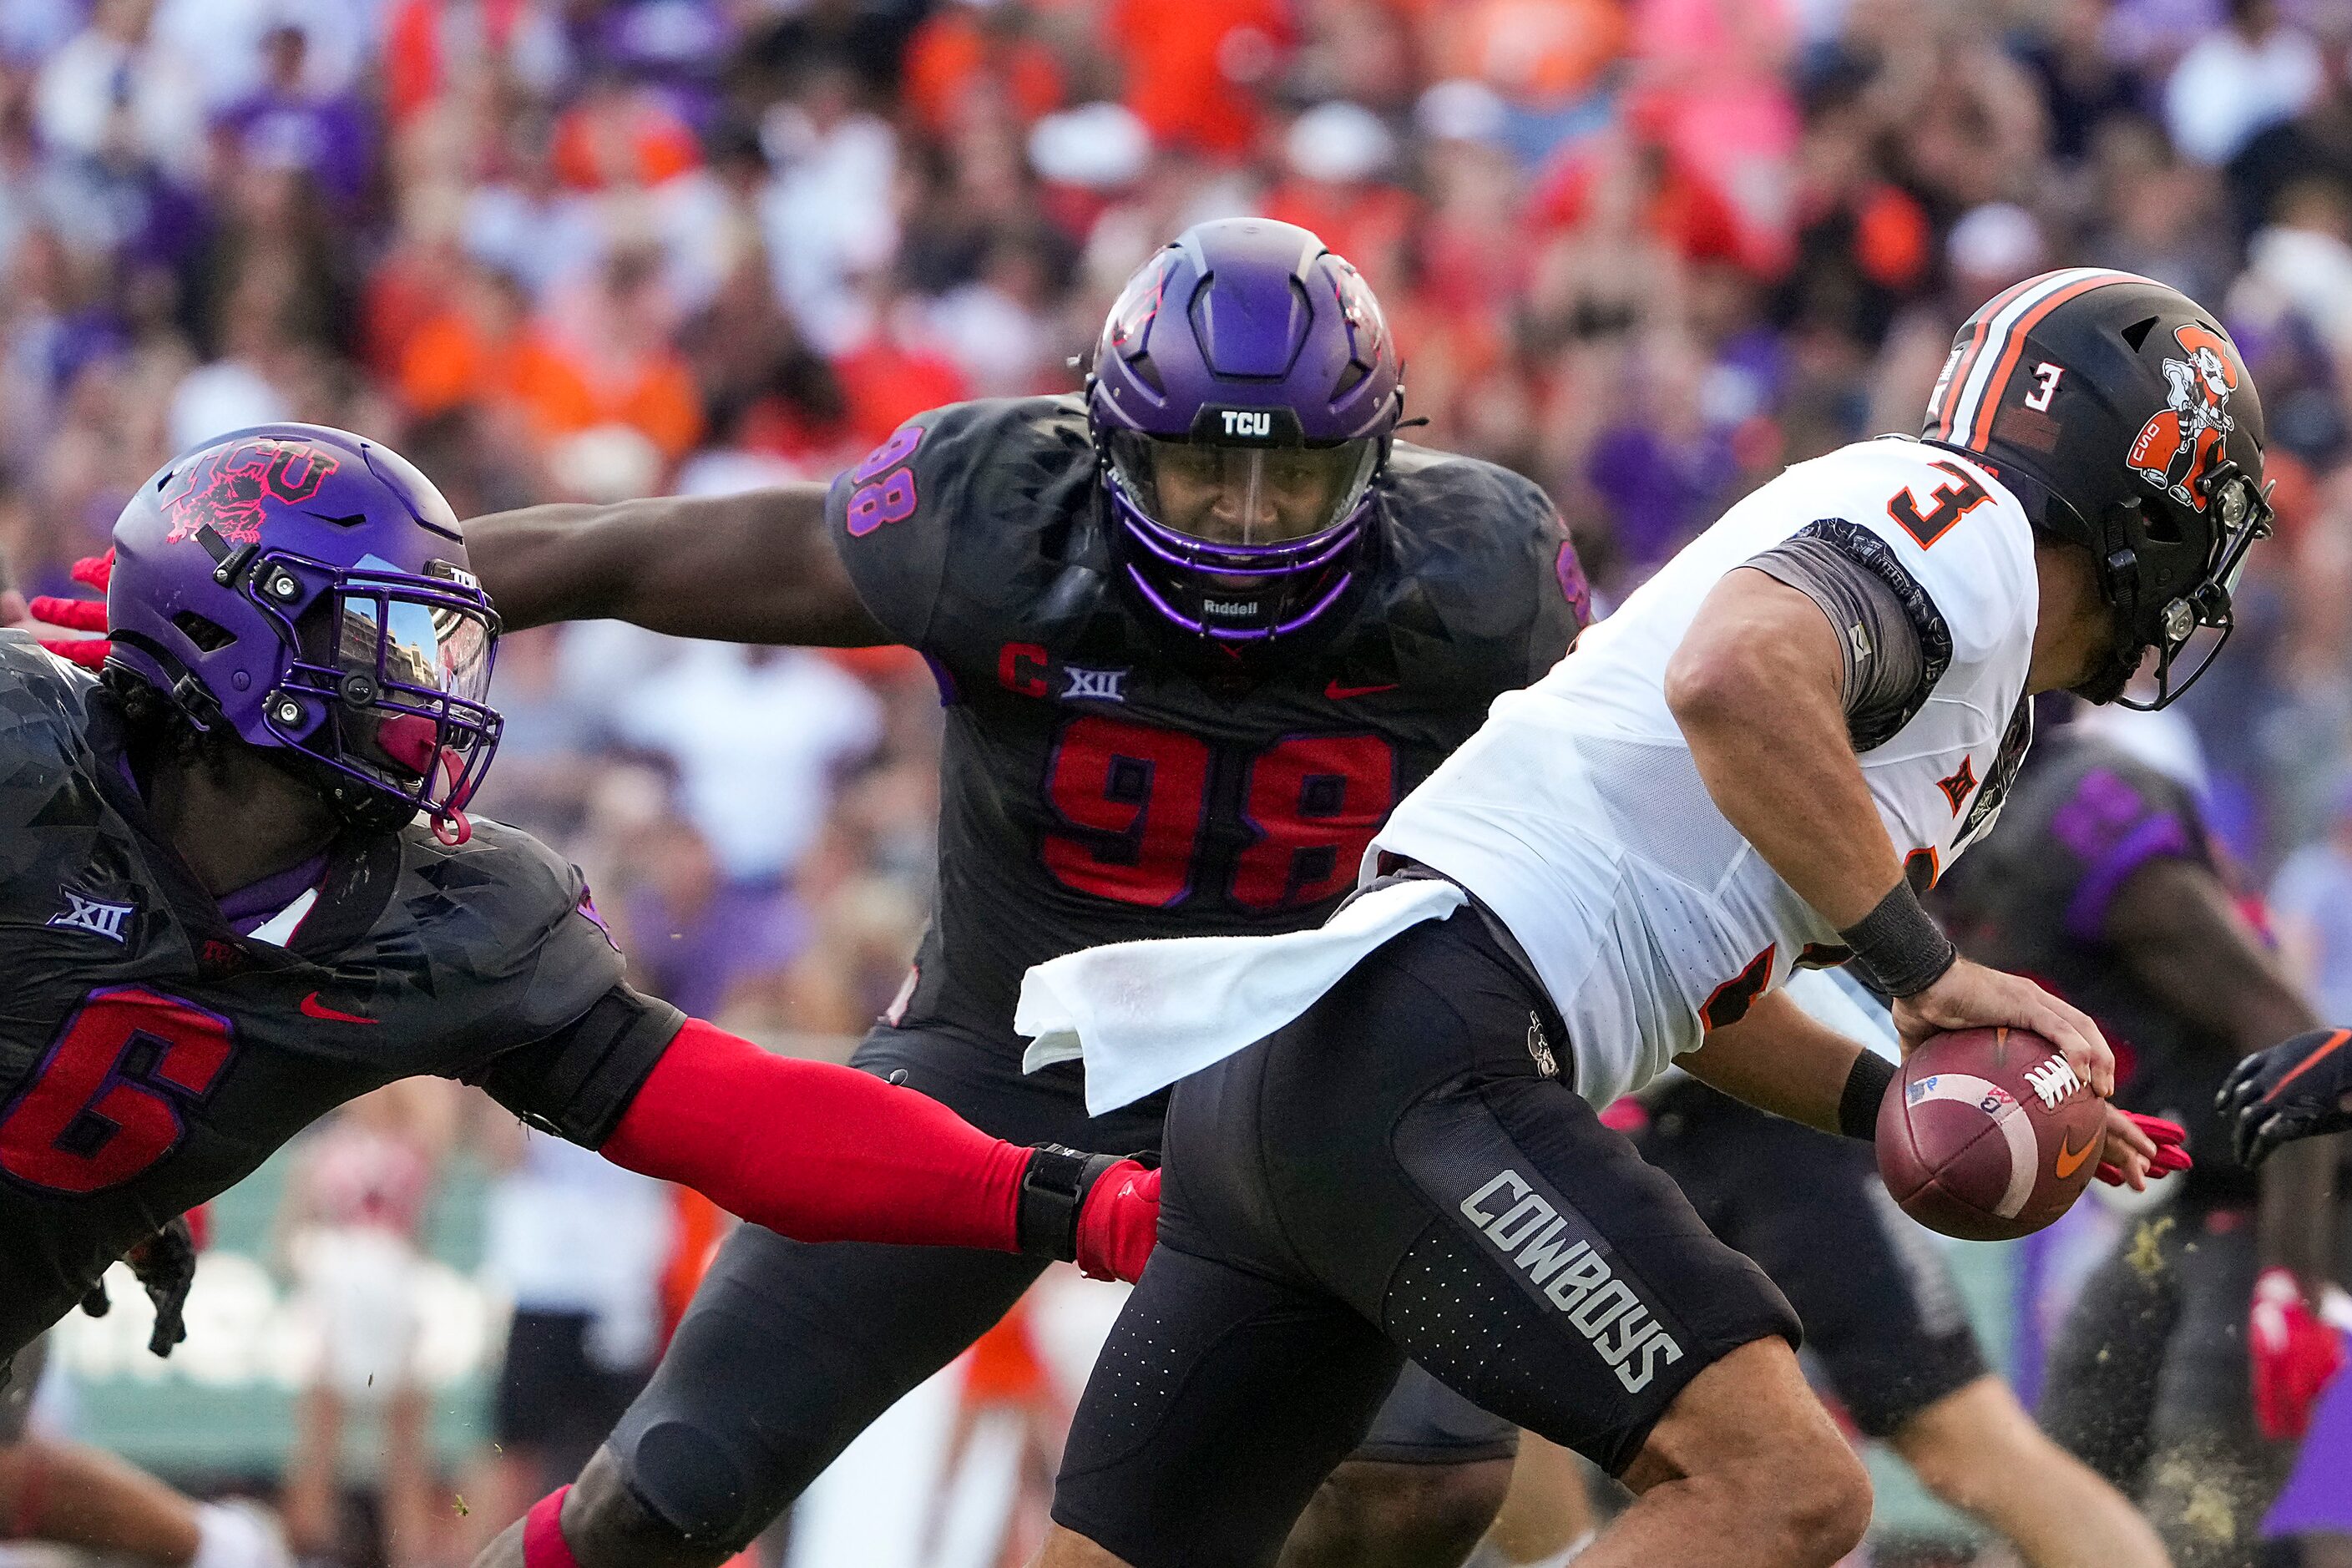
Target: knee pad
[(684, 1480)]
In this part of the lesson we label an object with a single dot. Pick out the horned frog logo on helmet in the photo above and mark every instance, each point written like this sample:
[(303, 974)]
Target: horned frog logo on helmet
[(228, 488), (2182, 442)]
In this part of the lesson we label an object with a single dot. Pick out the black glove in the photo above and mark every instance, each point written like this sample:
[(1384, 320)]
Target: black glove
[(165, 1263), (2300, 1087)]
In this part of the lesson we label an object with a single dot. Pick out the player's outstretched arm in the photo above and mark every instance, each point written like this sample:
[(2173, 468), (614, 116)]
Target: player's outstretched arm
[(2179, 930), (2181, 935), (1757, 686), (821, 1153), (757, 567)]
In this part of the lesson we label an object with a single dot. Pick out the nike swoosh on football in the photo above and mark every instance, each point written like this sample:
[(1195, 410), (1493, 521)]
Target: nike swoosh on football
[(2071, 1160), (314, 1008), (1338, 693)]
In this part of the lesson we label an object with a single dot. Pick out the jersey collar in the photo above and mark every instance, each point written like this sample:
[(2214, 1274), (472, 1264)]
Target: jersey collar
[(355, 885)]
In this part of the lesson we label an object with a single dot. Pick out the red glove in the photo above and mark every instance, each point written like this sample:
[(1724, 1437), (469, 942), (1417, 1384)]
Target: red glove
[(78, 615), (1120, 1223), (2293, 1352), (1625, 1114), (2172, 1141)]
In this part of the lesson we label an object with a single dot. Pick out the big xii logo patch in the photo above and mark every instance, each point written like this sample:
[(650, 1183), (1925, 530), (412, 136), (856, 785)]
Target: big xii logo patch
[(93, 915)]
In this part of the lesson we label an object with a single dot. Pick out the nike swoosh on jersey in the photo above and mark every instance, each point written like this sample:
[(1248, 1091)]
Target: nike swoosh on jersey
[(2071, 1160), (1338, 693), (314, 1008)]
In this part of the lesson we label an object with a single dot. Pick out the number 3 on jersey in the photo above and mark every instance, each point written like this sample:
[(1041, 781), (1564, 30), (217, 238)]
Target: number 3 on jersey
[(1136, 800), (105, 1103), (1947, 506)]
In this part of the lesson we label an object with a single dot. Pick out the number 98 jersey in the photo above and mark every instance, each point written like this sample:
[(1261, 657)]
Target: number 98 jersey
[(151, 1057), (1100, 782)]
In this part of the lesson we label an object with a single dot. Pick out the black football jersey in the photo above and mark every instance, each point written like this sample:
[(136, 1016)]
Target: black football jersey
[(150, 1057), (1098, 783), (2032, 898)]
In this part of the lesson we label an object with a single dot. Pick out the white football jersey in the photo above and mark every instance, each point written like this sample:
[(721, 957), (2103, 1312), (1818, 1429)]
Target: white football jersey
[(1577, 815)]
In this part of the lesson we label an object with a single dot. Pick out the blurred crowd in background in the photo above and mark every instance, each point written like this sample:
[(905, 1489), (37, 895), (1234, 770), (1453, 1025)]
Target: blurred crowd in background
[(1646, 251)]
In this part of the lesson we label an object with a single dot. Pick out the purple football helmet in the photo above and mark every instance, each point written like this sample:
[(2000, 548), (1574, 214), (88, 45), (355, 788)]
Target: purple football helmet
[(1243, 399), (307, 588)]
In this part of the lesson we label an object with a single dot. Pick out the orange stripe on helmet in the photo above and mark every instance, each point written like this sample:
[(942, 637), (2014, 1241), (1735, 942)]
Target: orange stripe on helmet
[(1959, 377), (1980, 431)]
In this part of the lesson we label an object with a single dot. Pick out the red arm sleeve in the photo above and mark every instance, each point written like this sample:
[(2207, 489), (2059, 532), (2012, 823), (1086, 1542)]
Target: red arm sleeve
[(816, 1151)]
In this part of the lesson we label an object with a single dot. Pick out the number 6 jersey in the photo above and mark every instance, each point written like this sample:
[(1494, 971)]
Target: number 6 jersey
[(1099, 784), (1578, 816), (152, 1056)]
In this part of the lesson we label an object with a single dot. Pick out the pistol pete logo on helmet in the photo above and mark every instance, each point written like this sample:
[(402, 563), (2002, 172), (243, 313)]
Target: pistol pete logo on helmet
[(227, 488), (2182, 442)]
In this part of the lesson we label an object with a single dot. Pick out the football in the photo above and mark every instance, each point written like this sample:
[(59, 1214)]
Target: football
[(1989, 1134)]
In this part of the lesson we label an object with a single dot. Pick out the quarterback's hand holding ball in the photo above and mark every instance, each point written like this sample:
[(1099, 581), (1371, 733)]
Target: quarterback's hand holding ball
[(1971, 996)]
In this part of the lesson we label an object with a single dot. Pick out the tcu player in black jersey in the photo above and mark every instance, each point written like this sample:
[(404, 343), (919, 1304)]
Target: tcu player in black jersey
[(1196, 632), (2191, 1359), (224, 919)]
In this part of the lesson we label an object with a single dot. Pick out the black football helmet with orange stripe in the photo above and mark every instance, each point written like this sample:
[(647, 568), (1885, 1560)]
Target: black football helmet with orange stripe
[(2124, 419)]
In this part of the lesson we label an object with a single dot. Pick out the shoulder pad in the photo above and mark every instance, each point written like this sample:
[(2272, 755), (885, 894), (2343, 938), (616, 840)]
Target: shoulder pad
[(1484, 578), (44, 714), (959, 527)]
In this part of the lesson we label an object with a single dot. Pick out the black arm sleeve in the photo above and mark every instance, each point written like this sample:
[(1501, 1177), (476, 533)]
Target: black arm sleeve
[(1895, 644), (577, 1083)]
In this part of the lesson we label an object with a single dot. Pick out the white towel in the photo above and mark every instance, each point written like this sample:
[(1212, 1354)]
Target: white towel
[(1145, 1014)]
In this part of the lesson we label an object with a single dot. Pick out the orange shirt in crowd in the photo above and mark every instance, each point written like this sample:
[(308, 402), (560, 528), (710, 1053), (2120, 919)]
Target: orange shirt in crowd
[(1684, 210), (701, 1226), (1003, 1367), (415, 71), (1544, 51), (621, 138), (885, 385), (1194, 65), (953, 53), (1367, 224), (450, 361)]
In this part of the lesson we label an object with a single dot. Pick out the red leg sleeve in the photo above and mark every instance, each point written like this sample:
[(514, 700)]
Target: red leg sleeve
[(816, 1151), (543, 1545)]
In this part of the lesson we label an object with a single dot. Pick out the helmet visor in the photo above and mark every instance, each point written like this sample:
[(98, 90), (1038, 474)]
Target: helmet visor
[(426, 647), (421, 662), (1234, 497)]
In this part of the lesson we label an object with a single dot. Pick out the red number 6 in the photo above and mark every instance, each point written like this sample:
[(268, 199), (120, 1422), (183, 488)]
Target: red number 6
[(105, 1103)]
